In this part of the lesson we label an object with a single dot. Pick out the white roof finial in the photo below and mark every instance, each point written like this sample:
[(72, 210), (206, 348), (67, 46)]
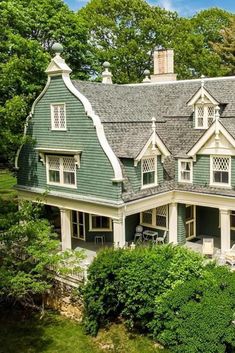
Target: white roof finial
[(57, 65), (146, 78), (106, 74)]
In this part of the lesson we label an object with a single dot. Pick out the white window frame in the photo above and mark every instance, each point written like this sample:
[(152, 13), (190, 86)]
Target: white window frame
[(191, 221), (61, 172), (91, 229), (205, 115), (180, 161), (223, 185), (77, 224), (154, 216), (53, 128), (155, 172)]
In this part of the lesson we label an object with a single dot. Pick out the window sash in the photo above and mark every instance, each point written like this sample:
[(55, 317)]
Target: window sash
[(100, 223), (220, 170), (64, 173), (204, 115), (156, 217), (185, 171), (58, 116), (148, 171)]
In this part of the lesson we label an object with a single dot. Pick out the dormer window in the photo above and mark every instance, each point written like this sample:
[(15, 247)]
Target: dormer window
[(204, 115), (185, 170), (149, 171), (220, 171), (58, 116)]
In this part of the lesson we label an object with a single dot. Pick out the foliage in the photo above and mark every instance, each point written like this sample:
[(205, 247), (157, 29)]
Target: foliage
[(226, 48), (127, 282), (198, 315), (28, 30), (29, 253)]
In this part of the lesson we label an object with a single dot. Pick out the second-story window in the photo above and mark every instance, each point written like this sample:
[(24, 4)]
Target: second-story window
[(204, 115), (58, 116), (61, 171), (149, 171), (220, 170), (185, 171)]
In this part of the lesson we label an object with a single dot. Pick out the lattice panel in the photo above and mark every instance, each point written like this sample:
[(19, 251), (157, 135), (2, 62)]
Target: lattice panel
[(221, 164), (54, 163), (59, 116), (210, 111), (148, 165), (162, 211), (200, 111), (68, 164)]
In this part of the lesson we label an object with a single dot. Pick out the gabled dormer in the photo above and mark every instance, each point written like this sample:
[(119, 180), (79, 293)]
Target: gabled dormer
[(204, 108)]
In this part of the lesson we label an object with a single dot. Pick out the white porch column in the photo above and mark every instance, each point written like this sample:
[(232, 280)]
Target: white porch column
[(173, 214), (225, 229), (66, 231), (119, 236)]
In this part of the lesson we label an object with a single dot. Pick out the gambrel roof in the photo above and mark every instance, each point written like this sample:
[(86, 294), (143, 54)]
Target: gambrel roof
[(126, 112)]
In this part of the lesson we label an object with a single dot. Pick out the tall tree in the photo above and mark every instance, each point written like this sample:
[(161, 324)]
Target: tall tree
[(28, 29), (226, 48), (125, 32)]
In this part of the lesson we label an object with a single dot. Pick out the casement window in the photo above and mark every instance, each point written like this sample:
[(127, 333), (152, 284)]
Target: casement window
[(204, 115), (100, 223), (58, 116), (185, 171), (61, 171), (155, 218), (78, 225), (149, 171), (220, 170)]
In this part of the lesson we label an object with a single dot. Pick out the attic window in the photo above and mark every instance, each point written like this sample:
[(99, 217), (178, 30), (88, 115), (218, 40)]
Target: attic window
[(149, 171), (58, 116), (204, 115)]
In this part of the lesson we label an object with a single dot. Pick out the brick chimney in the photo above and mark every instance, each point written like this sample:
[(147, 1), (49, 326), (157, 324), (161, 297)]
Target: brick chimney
[(163, 61)]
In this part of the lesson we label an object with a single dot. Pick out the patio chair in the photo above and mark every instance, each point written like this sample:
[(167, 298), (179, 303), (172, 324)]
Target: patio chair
[(162, 239), (138, 234), (208, 246), (229, 256)]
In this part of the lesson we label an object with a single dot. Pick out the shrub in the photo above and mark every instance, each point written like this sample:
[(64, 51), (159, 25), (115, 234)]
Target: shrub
[(126, 283), (197, 316)]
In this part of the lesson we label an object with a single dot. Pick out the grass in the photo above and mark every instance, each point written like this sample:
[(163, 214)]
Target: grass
[(21, 333), (7, 181)]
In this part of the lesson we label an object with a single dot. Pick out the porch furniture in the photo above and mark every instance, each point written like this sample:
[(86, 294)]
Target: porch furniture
[(138, 234), (162, 239), (150, 235), (99, 239), (208, 246), (230, 256)]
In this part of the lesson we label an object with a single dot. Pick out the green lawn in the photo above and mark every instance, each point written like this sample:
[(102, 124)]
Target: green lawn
[(7, 181), (20, 333)]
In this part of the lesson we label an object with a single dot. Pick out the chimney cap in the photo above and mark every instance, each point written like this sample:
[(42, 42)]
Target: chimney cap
[(57, 48)]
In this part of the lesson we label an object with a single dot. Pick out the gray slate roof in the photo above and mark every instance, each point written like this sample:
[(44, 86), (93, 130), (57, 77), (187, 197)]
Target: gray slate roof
[(126, 111)]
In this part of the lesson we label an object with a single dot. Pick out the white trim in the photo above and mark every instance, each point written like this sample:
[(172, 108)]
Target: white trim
[(200, 93), (53, 128), (208, 133), (91, 229), (205, 124), (40, 95), (155, 183), (222, 185), (61, 173), (118, 177), (159, 144), (191, 170)]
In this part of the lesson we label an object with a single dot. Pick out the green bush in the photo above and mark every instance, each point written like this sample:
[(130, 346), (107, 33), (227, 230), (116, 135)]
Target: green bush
[(197, 316), (126, 283)]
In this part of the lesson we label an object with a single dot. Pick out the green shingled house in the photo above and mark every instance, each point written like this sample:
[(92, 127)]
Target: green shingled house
[(160, 154)]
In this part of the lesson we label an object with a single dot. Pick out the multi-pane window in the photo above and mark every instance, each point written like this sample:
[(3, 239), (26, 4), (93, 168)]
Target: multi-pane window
[(78, 225), (61, 170), (185, 171), (204, 115), (58, 117), (100, 223), (161, 217), (220, 170), (156, 217), (148, 171)]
